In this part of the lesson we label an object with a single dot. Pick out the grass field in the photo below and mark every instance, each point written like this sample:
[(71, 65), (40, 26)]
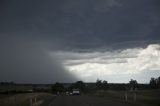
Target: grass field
[(143, 97), (22, 99), (14, 88)]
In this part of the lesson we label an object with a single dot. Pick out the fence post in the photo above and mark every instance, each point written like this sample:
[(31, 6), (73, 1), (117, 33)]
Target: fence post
[(35, 100), (30, 101), (135, 94), (126, 97), (15, 100)]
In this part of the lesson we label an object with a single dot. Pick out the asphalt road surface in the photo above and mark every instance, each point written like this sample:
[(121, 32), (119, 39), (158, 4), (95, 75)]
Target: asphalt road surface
[(84, 101)]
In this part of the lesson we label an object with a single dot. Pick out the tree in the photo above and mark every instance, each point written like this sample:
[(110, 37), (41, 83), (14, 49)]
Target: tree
[(133, 84), (158, 82), (57, 87), (99, 84), (78, 85), (105, 85), (153, 82)]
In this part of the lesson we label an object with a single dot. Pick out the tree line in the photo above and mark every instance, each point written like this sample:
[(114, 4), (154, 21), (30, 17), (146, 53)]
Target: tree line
[(155, 82), (104, 85)]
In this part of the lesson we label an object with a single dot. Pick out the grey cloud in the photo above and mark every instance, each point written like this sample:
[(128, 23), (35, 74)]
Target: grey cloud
[(69, 23), (137, 63), (78, 26), (106, 5), (101, 57), (25, 61)]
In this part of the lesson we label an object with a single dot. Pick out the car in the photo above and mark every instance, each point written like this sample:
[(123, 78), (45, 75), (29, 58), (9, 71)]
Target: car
[(76, 92), (67, 93), (70, 93)]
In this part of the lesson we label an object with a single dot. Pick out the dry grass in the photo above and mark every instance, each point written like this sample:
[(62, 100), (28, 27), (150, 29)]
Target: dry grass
[(21, 99), (144, 97)]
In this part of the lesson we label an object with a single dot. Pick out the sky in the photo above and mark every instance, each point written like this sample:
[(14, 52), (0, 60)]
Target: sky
[(47, 41)]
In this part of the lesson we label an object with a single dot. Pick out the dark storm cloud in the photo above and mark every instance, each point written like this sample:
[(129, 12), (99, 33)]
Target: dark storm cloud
[(30, 29), (26, 61), (71, 22)]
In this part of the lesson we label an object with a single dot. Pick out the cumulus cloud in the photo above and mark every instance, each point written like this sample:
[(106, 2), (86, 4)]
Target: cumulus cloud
[(128, 62)]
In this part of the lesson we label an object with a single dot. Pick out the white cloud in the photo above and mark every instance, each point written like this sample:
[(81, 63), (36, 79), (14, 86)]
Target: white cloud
[(130, 62)]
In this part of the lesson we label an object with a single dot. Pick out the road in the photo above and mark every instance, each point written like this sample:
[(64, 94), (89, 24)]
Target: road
[(84, 101)]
